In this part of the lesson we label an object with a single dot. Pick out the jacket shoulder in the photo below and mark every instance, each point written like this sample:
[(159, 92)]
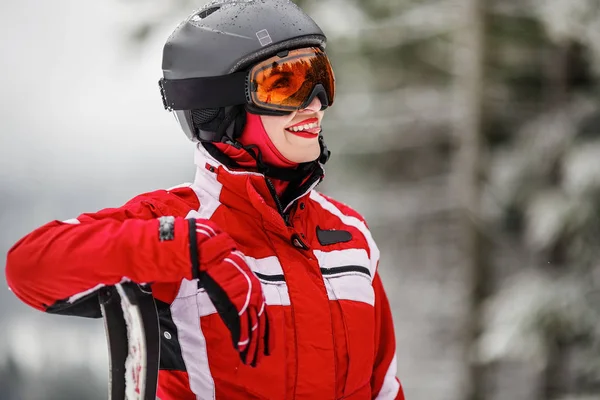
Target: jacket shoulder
[(335, 206), (177, 201), (172, 198), (351, 220)]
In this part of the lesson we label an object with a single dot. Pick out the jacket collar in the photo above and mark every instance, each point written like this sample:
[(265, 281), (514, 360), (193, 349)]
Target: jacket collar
[(248, 191)]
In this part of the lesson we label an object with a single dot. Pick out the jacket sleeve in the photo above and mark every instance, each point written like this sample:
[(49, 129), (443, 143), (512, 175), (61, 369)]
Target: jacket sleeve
[(384, 383), (60, 266)]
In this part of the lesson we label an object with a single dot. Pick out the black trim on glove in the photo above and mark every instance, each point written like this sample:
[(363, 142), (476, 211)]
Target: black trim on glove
[(224, 307), (193, 248)]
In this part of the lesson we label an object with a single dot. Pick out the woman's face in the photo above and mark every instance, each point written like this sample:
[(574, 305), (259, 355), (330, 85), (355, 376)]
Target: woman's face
[(296, 135)]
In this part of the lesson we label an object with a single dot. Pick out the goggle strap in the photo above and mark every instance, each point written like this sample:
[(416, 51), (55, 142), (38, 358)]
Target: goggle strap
[(208, 92)]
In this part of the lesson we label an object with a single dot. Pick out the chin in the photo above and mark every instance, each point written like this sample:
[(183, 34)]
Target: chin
[(305, 156)]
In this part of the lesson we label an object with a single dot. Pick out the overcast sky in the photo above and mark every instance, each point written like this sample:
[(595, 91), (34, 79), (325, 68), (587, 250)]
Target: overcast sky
[(76, 101)]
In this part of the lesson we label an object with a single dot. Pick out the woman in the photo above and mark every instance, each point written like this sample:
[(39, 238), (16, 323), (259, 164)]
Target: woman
[(249, 253)]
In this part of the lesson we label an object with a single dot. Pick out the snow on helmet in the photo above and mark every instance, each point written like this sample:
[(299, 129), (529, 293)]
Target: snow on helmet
[(223, 37)]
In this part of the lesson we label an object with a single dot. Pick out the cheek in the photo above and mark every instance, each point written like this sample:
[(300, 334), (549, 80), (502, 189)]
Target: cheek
[(275, 126)]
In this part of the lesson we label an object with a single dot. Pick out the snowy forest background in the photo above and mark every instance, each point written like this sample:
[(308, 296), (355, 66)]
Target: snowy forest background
[(466, 131)]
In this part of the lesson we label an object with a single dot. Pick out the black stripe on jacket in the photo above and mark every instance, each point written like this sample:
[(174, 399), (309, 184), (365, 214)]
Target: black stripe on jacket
[(170, 349), (345, 270)]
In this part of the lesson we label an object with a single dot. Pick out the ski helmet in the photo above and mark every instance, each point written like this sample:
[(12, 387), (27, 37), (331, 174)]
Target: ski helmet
[(220, 39)]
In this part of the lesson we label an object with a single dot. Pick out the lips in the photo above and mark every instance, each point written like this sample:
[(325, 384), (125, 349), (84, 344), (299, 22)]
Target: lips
[(305, 122), (309, 128)]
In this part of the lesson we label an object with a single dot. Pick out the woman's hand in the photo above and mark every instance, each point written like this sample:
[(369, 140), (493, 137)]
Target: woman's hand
[(232, 287)]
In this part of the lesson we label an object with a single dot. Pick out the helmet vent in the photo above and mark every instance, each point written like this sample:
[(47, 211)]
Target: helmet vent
[(205, 13)]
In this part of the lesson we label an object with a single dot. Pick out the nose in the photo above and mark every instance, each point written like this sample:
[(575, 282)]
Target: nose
[(313, 107)]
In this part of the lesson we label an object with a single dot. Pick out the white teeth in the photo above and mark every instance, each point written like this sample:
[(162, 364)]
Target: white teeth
[(304, 127)]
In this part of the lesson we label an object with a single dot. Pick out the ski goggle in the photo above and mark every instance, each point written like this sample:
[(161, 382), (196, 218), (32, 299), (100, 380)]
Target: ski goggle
[(291, 80), (286, 82)]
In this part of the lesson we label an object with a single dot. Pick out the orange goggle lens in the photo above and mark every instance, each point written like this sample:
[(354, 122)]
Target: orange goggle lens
[(288, 83)]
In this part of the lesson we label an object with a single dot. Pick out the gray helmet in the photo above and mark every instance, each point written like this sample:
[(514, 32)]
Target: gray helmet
[(224, 37)]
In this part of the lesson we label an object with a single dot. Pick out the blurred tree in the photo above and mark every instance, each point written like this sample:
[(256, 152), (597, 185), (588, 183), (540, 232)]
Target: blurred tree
[(545, 189), (469, 78), (10, 379)]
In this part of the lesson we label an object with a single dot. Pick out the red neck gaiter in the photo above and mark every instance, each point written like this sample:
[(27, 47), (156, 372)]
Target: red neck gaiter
[(254, 133)]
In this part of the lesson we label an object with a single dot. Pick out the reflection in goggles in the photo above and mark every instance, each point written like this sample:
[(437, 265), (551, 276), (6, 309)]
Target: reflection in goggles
[(287, 83)]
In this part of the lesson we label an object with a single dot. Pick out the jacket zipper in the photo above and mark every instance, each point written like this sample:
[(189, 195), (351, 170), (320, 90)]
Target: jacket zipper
[(285, 216), (284, 212)]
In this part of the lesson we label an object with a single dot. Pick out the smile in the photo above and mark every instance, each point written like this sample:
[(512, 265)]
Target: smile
[(308, 128), (304, 127)]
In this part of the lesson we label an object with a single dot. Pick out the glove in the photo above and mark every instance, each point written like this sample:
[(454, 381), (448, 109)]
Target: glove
[(232, 287)]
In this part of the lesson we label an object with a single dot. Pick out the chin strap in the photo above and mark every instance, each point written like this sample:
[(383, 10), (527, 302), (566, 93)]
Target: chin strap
[(325, 153)]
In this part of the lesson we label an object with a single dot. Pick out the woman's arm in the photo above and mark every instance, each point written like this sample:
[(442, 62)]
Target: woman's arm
[(60, 264)]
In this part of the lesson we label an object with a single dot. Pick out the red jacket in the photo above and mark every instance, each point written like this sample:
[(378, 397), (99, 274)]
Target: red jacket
[(334, 336)]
